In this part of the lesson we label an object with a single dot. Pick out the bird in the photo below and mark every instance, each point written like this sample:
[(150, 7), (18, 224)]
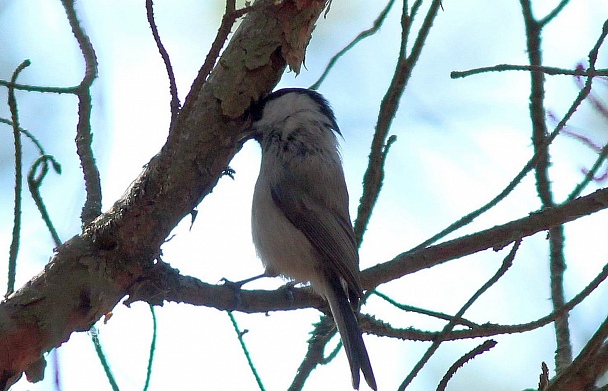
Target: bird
[(301, 226)]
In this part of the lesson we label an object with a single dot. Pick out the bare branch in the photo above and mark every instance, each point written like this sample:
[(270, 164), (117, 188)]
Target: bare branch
[(374, 175), (487, 329), (174, 105), (589, 365), (553, 71), (360, 37), (84, 138), (496, 238), (484, 347), (423, 311), (323, 332), (582, 95), (14, 248), (506, 264)]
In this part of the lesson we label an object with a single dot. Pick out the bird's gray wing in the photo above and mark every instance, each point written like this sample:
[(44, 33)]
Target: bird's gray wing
[(325, 223)]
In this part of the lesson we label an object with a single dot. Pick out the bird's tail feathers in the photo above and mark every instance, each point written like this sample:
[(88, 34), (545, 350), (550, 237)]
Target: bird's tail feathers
[(349, 330)]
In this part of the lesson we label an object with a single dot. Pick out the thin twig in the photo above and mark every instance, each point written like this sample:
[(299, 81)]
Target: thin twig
[(31, 88), (434, 314), (557, 261), (84, 137), (360, 37), (14, 248), (582, 372), (35, 178), (551, 15), (239, 335), (590, 175), (230, 16), (322, 333), (553, 71), (102, 358), (34, 182), (488, 329), (152, 348), (587, 86), (374, 175), (174, 104), (484, 347), (506, 264), (27, 134)]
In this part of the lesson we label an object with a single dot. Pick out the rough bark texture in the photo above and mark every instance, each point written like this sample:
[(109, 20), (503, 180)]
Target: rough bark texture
[(92, 272)]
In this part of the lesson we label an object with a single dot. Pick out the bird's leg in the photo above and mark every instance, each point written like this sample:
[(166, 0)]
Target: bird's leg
[(237, 285)]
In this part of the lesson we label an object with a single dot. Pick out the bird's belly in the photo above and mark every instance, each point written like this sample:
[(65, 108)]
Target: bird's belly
[(282, 248)]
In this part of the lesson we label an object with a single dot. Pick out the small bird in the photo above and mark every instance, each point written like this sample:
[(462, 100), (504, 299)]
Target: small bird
[(301, 226)]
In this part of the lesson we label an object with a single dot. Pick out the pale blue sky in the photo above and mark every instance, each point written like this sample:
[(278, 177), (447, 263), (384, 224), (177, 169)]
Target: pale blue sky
[(459, 143)]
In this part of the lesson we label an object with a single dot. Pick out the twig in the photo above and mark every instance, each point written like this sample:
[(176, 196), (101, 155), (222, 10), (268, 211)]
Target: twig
[(484, 347), (239, 335), (360, 37), (152, 348), (322, 333), (587, 86), (230, 16), (374, 175), (506, 264), (175, 105), (84, 138), (27, 134), (423, 311), (14, 248), (102, 358), (34, 182), (551, 15), (590, 175), (553, 71), (580, 98), (496, 237), (583, 372), (488, 329), (557, 261), (31, 88)]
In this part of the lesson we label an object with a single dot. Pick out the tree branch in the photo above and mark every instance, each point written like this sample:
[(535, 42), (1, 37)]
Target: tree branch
[(162, 282), (495, 238)]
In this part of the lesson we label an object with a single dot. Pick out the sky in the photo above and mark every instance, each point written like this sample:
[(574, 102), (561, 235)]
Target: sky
[(459, 142)]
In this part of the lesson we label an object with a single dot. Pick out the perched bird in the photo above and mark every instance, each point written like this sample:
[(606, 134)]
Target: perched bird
[(301, 226)]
